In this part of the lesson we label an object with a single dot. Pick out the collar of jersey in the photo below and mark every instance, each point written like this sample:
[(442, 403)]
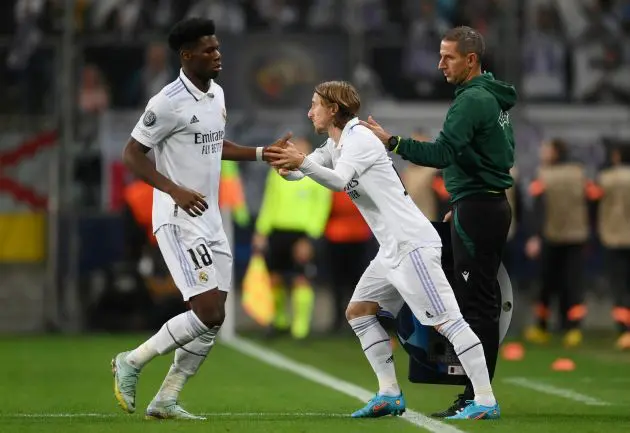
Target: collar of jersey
[(346, 130), (193, 90)]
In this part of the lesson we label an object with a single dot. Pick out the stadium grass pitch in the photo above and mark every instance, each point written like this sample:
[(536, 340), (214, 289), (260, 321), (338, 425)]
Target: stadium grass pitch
[(64, 384)]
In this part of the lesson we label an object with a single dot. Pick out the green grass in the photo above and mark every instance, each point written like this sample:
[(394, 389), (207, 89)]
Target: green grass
[(71, 375)]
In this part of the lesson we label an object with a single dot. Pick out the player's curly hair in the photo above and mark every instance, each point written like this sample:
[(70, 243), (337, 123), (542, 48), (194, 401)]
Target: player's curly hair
[(344, 95), (187, 32)]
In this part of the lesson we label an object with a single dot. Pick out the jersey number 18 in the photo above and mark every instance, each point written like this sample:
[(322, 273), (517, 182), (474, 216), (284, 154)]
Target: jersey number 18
[(204, 255)]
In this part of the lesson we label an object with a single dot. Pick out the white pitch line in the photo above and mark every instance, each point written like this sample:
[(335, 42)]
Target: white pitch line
[(555, 390), (315, 375), (209, 415), (58, 415)]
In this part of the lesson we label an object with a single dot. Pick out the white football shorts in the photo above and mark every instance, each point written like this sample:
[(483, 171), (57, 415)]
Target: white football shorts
[(196, 263), (417, 280)]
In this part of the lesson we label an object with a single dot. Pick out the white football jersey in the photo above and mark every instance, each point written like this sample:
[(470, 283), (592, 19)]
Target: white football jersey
[(185, 128), (379, 194)]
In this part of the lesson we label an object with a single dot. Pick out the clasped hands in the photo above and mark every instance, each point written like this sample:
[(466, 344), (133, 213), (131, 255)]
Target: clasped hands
[(283, 155)]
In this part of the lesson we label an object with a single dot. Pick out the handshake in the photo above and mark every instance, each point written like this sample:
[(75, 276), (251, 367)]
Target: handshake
[(283, 155)]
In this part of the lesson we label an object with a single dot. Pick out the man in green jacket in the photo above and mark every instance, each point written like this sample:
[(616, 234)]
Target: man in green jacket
[(475, 149)]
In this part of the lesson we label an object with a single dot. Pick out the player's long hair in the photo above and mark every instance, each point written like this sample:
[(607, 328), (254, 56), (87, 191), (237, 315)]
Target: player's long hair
[(344, 95)]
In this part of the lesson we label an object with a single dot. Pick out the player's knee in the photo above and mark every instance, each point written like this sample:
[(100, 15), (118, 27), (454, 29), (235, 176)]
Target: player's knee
[(361, 309), (211, 316), (209, 309)]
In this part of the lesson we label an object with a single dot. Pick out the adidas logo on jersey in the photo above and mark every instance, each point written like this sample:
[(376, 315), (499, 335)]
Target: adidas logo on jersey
[(194, 120)]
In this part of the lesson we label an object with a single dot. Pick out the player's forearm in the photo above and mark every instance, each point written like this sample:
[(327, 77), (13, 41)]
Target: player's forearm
[(294, 175), (235, 152), (140, 165), (333, 179)]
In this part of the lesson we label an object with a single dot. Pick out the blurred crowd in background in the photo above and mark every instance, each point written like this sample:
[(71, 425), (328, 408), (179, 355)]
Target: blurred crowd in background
[(571, 52)]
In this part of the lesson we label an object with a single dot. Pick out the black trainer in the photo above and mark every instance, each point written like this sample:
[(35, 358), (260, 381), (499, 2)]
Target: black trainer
[(458, 404)]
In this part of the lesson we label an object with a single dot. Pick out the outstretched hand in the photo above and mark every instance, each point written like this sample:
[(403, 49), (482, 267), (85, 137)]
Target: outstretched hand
[(280, 143), (288, 158), (377, 129)]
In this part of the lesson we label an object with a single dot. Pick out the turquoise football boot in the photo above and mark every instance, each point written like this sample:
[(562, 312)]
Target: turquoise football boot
[(125, 382), (473, 410), (382, 405), (169, 410)]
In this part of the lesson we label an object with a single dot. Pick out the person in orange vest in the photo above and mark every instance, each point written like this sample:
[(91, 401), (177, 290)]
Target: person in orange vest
[(613, 224), (141, 250), (350, 249), (231, 193), (559, 231), (137, 212)]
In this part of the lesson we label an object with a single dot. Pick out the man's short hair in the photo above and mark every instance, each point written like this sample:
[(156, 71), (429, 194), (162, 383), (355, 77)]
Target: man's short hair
[(468, 40), (561, 148), (186, 33), (344, 95), (624, 152)]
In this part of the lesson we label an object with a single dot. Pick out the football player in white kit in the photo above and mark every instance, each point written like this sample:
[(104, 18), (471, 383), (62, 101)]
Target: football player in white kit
[(407, 268), (184, 124)]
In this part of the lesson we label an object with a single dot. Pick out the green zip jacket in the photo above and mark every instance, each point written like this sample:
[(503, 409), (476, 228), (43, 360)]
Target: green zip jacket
[(475, 148)]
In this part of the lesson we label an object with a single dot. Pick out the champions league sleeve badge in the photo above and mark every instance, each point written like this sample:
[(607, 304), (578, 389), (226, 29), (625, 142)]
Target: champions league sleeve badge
[(432, 358), (149, 118)]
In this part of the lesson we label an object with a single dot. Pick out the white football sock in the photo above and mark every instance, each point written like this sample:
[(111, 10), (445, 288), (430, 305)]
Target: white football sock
[(470, 353), (177, 332), (188, 359), (378, 350)]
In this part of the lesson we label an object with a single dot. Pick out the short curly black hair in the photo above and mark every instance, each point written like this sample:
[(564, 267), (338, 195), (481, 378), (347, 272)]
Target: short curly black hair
[(187, 32)]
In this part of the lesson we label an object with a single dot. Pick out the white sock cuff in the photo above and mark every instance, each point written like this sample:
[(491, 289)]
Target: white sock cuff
[(196, 324), (178, 331), (452, 328), (465, 340), (189, 358), (360, 325)]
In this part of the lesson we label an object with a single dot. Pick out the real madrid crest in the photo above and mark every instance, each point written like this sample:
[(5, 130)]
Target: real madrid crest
[(149, 118), (203, 277)]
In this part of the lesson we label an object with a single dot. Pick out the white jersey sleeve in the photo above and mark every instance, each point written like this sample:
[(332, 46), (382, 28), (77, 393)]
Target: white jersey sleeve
[(294, 175), (360, 151), (335, 179), (157, 123)]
